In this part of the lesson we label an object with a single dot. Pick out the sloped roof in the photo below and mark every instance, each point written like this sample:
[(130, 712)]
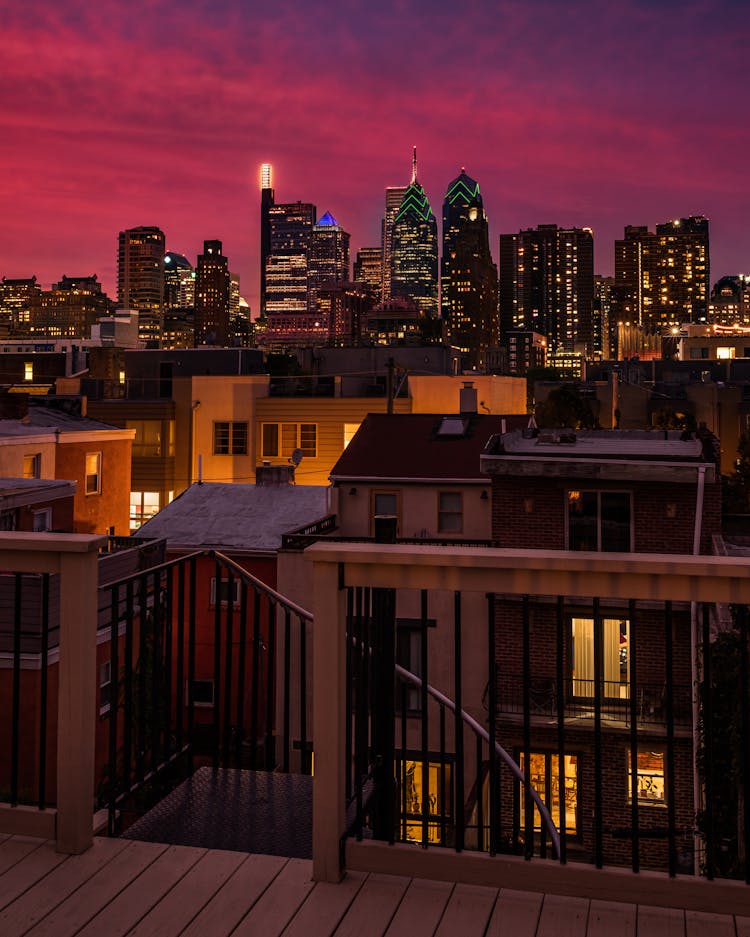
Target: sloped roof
[(328, 219), (236, 517), (409, 446)]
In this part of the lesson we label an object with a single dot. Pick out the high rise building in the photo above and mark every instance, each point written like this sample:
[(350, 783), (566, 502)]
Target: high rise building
[(468, 274), (602, 322), (662, 278), (394, 196), (368, 271), (414, 249), (327, 257), (547, 285), (71, 307), (266, 202), (176, 268), (290, 229), (730, 301), (140, 278), (212, 296), (20, 305)]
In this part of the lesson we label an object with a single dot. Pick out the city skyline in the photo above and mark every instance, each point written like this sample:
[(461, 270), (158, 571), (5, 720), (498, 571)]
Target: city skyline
[(579, 117)]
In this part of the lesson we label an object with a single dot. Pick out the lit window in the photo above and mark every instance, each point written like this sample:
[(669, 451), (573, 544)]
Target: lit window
[(93, 484), (143, 505), (544, 776), (349, 430), (450, 512), (414, 796), (615, 658), (651, 784), (28, 370), (32, 465)]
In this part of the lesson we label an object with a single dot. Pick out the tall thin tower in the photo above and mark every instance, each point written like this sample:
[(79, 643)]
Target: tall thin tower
[(266, 203)]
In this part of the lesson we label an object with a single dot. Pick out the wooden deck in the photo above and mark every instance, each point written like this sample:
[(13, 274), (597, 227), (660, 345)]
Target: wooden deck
[(145, 889)]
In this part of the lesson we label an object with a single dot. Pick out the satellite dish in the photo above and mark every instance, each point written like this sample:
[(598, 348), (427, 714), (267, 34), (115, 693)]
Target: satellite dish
[(297, 457)]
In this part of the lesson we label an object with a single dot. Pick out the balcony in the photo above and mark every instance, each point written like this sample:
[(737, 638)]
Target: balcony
[(418, 772)]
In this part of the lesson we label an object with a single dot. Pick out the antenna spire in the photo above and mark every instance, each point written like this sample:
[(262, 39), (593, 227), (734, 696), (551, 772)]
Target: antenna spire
[(414, 167)]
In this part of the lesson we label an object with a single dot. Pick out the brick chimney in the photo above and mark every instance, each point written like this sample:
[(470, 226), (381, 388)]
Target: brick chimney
[(274, 476)]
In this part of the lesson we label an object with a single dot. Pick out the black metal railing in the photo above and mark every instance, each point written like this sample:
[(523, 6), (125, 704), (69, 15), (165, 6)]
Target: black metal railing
[(303, 536), (433, 761), (29, 630), (579, 697), (193, 647)]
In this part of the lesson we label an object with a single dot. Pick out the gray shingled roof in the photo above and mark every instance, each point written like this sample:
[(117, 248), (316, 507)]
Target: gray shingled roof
[(236, 517)]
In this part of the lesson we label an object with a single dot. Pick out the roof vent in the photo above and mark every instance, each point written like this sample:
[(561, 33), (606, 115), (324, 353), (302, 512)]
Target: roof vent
[(468, 398), (452, 426)]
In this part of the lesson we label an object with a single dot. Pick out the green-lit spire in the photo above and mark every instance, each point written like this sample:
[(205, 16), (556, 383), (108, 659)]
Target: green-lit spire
[(464, 189)]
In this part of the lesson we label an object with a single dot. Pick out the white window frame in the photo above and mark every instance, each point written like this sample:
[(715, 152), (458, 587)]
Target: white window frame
[(236, 597), (46, 513), (97, 475), (36, 464), (278, 452)]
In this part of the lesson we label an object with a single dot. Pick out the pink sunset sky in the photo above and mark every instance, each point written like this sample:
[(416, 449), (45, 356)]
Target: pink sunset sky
[(119, 114)]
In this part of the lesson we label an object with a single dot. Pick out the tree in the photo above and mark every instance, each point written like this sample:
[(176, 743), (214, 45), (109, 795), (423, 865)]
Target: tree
[(668, 418), (565, 407)]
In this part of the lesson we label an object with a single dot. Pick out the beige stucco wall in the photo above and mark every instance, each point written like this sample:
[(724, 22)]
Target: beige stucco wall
[(14, 448), (496, 394), (418, 510)]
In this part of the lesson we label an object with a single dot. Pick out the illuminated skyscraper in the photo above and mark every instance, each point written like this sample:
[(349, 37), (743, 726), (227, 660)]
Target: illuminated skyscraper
[(368, 270), (547, 285), (266, 202), (212, 296), (663, 278), (414, 249), (140, 278), (290, 229), (327, 257), (468, 273), (176, 268), (394, 196)]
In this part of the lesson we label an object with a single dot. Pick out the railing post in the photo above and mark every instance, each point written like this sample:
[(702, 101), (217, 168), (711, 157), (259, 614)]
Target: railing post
[(76, 721), (329, 721)]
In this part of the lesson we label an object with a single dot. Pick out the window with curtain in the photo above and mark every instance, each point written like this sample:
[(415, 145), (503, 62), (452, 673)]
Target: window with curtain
[(615, 657)]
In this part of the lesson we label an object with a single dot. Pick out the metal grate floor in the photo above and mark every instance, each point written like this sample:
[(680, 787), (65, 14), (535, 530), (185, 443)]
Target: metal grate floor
[(244, 811)]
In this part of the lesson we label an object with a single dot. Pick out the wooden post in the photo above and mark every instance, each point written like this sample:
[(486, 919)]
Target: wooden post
[(77, 704), (329, 721)]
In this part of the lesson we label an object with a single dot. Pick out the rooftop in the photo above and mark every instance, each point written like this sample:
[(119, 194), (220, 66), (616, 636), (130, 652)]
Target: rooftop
[(412, 446), (235, 517)]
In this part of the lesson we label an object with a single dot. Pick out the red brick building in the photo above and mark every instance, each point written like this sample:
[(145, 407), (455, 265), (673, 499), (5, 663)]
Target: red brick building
[(609, 665)]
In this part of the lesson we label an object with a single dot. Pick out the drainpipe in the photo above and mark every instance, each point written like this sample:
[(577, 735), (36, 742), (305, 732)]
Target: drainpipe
[(694, 671)]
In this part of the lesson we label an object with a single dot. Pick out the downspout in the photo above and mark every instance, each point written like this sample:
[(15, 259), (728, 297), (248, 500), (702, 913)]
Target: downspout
[(694, 670)]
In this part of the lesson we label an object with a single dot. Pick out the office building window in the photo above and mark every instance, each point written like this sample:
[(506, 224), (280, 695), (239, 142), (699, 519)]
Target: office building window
[(230, 438), (651, 782), (279, 440), (450, 512), (599, 521), (32, 465), (93, 484), (615, 658)]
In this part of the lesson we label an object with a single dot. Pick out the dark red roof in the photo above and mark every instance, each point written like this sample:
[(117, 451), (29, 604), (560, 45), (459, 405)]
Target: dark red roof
[(407, 445)]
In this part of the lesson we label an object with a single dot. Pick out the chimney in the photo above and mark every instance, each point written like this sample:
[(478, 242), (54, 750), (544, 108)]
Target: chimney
[(468, 399), (274, 476)]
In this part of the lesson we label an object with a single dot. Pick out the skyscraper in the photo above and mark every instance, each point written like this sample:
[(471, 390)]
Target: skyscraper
[(140, 278), (327, 257), (414, 249), (547, 285), (394, 196), (468, 273), (176, 268), (290, 229), (266, 201), (212, 296), (368, 271), (663, 278)]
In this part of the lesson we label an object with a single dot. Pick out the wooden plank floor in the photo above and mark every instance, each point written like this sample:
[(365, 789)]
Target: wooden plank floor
[(138, 889)]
